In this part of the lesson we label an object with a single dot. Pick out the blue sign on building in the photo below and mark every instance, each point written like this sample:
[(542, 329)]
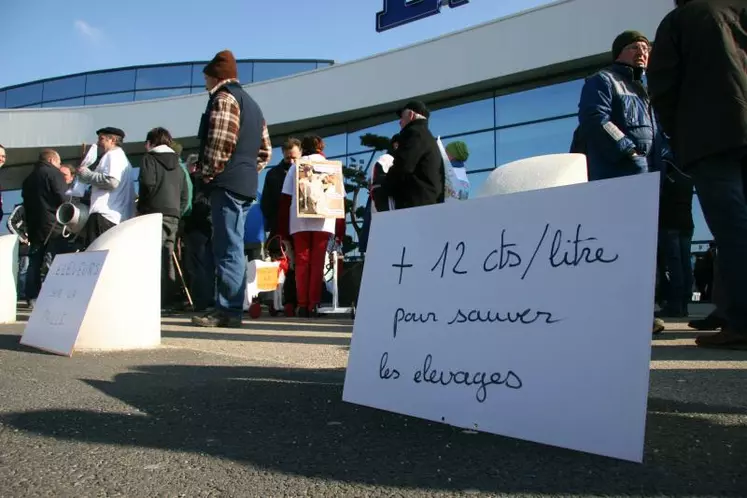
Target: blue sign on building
[(400, 12)]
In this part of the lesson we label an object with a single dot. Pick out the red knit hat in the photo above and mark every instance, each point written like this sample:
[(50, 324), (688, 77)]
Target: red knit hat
[(223, 66)]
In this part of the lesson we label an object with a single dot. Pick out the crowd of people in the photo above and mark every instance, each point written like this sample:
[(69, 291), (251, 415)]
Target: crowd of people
[(675, 106)]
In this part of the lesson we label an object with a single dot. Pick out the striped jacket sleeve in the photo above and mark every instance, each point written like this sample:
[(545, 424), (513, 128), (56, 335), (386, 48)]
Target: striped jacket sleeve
[(265, 149), (223, 134)]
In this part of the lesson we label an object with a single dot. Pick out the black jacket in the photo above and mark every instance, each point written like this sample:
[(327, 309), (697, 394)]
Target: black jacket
[(200, 218), (417, 176), (43, 192), (676, 202), (697, 78), (163, 187), (273, 188)]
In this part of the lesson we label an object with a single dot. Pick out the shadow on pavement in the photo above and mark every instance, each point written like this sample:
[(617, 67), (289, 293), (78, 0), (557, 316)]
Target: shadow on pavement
[(293, 421), (248, 337)]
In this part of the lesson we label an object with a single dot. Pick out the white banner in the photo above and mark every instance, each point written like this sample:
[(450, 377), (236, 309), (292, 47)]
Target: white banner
[(530, 317)]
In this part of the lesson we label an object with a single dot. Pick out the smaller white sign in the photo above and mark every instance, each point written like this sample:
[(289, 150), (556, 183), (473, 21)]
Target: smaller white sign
[(58, 315)]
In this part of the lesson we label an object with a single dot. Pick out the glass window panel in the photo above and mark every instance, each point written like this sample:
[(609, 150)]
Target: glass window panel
[(264, 71), (2, 100), (335, 145), (65, 103), (10, 199), (163, 77), (114, 98), (65, 88), (33, 106), (246, 70), (24, 96), (702, 232), (538, 103), (160, 94), (462, 118), (481, 148), (550, 137), (475, 182), (385, 129), (198, 80), (113, 81), (198, 89)]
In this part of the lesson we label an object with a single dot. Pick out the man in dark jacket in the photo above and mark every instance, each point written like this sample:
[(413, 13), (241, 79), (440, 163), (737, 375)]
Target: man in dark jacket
[(273, 188), (698, 83), (417, 176), (616, 121), (675, 240), (163, 189), (234, 147), (43, 192)]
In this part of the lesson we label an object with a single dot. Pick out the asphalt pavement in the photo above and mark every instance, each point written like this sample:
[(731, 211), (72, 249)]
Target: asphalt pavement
[(258, 412)]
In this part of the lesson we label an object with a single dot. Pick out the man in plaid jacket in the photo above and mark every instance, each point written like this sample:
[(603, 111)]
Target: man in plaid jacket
[(234, 147)]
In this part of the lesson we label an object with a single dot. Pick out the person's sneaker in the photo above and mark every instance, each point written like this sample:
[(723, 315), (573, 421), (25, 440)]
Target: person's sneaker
[(303, 312), (217, 319), (711, 322), (726, 339), (658, 327)]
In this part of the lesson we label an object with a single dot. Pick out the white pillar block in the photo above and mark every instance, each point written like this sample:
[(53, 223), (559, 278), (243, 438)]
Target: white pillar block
[(8, 278), (534, 173), (125, 309)]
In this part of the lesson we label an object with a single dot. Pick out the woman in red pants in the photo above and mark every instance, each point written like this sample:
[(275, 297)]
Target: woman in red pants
[(310, 236)]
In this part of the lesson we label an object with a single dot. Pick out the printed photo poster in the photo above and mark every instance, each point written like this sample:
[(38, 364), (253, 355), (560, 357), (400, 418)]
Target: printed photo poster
[(321, 189)]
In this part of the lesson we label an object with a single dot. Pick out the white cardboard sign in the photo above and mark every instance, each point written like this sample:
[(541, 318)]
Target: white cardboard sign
[(526, 315), (63, 301)]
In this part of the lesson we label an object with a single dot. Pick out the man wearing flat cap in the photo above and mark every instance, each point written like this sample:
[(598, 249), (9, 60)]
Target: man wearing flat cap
[(112, 185), (234, 147), (616, 121), (416, 177)]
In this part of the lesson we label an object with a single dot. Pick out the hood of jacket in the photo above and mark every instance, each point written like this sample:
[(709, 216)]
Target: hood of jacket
[(165, 156)]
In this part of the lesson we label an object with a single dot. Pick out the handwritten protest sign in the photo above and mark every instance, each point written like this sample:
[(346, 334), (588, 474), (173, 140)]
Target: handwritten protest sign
[(529, 316), (321, 189), (62, 303)]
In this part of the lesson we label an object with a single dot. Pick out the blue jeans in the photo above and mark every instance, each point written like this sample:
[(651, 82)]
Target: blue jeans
[(721, 183), (228, 212), (678, 284)]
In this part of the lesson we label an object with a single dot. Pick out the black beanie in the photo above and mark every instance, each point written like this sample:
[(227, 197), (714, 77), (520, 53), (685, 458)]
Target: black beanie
[(624, 39)]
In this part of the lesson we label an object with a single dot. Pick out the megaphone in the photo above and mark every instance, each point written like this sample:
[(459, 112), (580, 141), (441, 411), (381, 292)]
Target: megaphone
[(72, 217)]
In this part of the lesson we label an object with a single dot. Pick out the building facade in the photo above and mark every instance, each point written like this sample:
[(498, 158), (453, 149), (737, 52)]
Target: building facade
[(510, 96)]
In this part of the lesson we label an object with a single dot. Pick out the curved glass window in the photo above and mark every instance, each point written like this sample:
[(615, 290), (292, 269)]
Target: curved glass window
[(472, 116), (65, 103), (264, 71), (160, 94), (113, 98), (537, 139), (481, 148), (24, 96), (163, 77), (114, 81), (64, 88)]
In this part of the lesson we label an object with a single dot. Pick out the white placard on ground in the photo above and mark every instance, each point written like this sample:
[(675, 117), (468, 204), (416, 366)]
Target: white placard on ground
[(63, 301), (526, 315), (8, 277), (123, 311)]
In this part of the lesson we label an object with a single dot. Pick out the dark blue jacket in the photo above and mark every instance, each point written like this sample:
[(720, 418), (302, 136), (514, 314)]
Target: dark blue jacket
[(616, 120)]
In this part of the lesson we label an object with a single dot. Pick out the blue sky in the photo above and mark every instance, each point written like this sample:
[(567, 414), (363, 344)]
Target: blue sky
[(46, 38)]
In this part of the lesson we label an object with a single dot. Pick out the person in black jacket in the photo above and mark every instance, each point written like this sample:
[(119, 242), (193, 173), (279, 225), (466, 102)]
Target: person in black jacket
[(198, 242), (273, 187), (675, 240), (697, 78), (43, 192), (417, 176), (163, 189)]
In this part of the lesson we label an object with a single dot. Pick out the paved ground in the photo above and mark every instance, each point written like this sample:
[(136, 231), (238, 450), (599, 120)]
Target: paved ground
[(259, 413)]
